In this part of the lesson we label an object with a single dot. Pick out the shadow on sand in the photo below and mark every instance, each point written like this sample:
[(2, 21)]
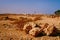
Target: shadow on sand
[(54, 34)]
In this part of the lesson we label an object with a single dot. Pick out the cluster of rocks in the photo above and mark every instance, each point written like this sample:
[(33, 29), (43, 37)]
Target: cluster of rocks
[(35, 29)]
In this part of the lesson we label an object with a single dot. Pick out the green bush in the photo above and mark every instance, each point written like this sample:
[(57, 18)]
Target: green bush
[(57, 12)]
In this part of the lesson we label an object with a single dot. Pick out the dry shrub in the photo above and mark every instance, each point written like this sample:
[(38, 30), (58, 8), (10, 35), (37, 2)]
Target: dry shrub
[(25, 19), (7, 18), (22, 22), (11, 19), (4, 18), (37, 18), (53, 16)]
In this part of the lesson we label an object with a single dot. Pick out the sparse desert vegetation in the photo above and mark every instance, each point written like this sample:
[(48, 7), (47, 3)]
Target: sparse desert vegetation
[(29, 27)]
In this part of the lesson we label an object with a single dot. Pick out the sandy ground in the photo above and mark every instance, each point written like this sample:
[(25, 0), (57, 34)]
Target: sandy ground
[(10, 31)]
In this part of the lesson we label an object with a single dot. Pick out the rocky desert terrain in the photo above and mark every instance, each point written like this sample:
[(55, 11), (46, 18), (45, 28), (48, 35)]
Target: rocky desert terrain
[(12, 27)]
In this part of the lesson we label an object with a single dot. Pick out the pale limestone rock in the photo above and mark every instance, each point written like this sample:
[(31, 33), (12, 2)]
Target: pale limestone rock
[(27, 27), (35, 31), (49, 30)]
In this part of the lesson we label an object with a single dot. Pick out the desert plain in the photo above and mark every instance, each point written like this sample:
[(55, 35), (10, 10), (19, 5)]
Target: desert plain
[(11, 26)]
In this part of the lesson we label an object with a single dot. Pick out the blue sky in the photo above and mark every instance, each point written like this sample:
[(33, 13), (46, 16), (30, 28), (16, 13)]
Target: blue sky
[(29, 6)]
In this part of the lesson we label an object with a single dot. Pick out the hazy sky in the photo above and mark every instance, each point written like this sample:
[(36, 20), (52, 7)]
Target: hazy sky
[(29, 6)]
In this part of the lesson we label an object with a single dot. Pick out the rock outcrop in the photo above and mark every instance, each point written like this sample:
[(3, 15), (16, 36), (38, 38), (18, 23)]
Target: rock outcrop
[(34, 29)]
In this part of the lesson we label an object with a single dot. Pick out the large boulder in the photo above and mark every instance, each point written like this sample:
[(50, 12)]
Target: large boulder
[(49, 30), (35, 31), (28, 26)]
